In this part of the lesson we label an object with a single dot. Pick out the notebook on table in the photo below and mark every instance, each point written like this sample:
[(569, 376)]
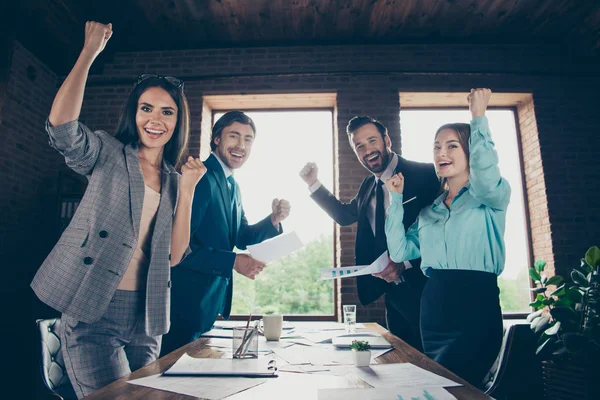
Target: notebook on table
[(376, 341)]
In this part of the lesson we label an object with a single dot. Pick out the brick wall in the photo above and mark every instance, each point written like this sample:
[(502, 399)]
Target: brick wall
[(367, 80), (28, 172)]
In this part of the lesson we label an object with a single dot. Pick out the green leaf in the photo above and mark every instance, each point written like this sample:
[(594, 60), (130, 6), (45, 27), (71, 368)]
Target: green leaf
[(539, 265), (579, 278), (592, 256), (564, 314), (540, 297), (544, 279), (560, 291), (548, 302), (538, 289), (536, 304), (555, 280), (543, 346), (542, 324), (553, 330), (534, 315), (534, 275), (573, 295)]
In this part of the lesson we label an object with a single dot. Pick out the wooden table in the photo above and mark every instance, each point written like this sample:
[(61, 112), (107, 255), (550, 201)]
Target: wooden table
[(120, 389)]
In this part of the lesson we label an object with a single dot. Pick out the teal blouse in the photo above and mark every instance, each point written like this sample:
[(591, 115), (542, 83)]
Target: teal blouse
[(470, 234)]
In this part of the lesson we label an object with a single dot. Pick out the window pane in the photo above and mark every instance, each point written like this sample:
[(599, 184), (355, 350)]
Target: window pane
[(418, 130), (285, 141)]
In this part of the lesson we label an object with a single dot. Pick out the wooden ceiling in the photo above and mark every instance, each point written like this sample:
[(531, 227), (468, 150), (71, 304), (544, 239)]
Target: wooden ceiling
[(53, 29)]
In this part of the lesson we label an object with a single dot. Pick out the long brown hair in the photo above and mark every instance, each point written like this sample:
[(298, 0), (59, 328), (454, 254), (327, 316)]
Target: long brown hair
[(127, 129), (464, 133)]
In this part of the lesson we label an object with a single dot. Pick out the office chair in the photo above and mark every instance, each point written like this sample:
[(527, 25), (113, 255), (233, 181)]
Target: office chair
[(54, 373), (517, 372)]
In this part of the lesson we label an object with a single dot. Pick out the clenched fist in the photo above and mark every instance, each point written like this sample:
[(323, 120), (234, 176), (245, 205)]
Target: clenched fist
[(247, 266), (96, 37), (281, 210), (478, 101), (395, 183), (191, 173), (310, 173)]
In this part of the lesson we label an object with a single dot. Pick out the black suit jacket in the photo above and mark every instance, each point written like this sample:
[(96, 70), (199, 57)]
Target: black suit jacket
[(202, 282), (420, 181)]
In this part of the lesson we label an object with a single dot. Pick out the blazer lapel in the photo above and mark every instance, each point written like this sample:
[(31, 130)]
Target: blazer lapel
[(366, 198), (165, 214), (217, 170), (136, 187)]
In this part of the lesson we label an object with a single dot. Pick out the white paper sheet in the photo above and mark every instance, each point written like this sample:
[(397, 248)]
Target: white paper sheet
[(219, 333), (322, 355), (401, 375), (210, 388), (275, 248), (293, 387), (432, 393), (347, 272)]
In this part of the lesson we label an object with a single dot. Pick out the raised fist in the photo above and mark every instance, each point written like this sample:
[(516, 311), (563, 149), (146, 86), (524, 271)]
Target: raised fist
[(310, 173), (478, 101), (395, 183), (96, 36), (191, 173)]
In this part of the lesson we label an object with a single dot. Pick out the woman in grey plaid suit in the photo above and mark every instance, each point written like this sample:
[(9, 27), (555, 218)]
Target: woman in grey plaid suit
[(109, 273)]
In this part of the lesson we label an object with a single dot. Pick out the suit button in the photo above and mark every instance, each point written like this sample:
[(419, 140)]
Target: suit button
[(88, 260), (169, 284), (103, 234)]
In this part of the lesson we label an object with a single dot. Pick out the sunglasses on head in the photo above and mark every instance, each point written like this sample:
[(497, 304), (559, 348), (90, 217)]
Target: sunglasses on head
[(178, 83)]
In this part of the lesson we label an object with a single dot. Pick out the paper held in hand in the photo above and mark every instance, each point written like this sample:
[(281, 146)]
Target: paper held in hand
[(347, 272), (275, 248)]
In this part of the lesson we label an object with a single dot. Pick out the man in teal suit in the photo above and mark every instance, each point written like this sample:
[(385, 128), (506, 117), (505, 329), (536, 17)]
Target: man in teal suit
[(202, 285)]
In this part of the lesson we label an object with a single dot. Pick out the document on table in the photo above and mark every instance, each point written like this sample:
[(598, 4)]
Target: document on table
[(322, 355), (210, 388), (190, 366), (401, 375), (431, 393), (347, 272), (275, 248)]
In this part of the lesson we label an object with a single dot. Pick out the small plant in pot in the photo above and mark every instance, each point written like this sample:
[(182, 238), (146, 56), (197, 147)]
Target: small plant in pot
[(568, 318), (362, 353), (567, 323)]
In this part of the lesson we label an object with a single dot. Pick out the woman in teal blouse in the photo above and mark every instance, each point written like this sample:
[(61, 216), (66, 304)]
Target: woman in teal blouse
[(460, 239)]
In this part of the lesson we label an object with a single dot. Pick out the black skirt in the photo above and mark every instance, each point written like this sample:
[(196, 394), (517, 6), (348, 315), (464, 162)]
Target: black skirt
[(461, 321)]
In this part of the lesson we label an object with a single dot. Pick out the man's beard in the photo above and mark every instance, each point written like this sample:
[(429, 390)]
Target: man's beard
[(385, 160)]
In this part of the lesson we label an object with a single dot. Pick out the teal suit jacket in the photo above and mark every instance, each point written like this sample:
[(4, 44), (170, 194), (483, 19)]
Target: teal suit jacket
[(202, 282)]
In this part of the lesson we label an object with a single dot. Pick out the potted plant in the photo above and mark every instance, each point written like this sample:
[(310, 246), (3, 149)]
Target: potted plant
[(567, 320), (362, 354)]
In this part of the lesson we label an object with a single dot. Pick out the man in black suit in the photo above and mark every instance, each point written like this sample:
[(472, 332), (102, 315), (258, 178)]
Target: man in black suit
[(402, 283)]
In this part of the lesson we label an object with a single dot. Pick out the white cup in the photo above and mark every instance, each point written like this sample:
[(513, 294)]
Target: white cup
[(272, 325)]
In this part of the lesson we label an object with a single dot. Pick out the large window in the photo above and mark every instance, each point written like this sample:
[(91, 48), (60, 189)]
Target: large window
[(418, 130), (285, 141)]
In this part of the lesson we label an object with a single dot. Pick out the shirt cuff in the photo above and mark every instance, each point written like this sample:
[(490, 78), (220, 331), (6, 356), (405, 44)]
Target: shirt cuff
[(314, 187)]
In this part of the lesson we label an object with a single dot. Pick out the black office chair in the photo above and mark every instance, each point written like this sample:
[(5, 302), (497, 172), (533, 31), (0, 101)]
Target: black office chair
[(52, 364), (517, 372)]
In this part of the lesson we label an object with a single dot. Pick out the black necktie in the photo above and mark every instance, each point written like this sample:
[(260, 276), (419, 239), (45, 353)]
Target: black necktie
[(379, 215)]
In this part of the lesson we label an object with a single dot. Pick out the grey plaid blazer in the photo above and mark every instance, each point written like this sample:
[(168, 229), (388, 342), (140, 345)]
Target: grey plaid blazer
[(81, 274)]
